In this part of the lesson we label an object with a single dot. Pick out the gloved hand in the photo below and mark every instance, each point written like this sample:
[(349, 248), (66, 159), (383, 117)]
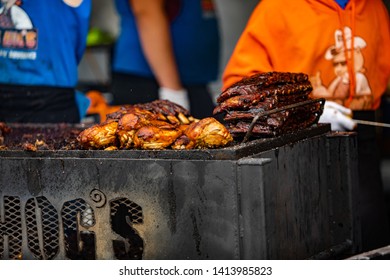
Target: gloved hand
[(177, 96), (339, 117)]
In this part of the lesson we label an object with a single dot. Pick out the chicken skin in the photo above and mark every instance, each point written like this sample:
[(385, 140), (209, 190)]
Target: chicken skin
[(206, 133), (156, 125), (154, 137), (99, 136)]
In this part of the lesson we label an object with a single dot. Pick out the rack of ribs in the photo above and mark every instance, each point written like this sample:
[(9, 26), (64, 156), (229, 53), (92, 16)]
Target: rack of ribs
[(257, 94)]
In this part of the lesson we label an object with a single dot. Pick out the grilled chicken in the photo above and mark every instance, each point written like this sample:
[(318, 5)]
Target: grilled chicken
[(117, 115), (154, 137), (207, 133), (160, 109), (183, 143), (156, 125), (164, 107), (99, 136), (130, 123)]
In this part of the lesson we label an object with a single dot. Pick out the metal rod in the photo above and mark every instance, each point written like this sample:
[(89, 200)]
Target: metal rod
[(263, 113), (371, 123), (382, 253)]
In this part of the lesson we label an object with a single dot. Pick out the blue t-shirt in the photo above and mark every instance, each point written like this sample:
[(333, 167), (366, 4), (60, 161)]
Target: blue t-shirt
[(342, 3), (42, 42), (195, 36)]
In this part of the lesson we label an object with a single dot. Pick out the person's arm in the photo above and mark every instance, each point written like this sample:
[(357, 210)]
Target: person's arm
[(154, 32), (73, 3)]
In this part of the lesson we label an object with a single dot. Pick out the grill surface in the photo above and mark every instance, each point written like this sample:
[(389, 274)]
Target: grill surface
[(233, 152)]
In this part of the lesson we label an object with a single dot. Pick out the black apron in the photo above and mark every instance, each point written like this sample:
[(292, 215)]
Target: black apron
[(37, 104)]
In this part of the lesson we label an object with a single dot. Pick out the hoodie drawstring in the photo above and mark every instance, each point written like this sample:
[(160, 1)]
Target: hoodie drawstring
[(349, 57)]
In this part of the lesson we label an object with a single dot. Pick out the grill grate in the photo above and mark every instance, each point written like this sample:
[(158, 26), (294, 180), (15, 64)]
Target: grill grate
[(50, 229), (12, 228)]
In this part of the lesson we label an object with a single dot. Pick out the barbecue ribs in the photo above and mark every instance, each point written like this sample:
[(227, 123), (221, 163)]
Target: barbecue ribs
[(262, 92)]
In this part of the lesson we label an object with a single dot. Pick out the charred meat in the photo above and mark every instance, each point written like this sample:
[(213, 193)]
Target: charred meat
[(257, 94)]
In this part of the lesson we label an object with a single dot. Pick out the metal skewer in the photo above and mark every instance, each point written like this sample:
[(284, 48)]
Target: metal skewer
[(263, 113), (371, 123)]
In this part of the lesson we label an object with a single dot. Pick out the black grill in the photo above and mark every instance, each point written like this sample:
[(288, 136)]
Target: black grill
[(264, 199)]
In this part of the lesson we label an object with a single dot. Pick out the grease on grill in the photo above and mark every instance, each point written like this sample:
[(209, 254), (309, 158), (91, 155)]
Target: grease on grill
[(39, 137)]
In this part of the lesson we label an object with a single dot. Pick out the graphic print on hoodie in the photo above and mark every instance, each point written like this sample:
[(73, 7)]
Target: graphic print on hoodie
[(339, 88)]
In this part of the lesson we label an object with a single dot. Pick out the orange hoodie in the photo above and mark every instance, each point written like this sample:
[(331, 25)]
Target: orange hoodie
[(310, 36)]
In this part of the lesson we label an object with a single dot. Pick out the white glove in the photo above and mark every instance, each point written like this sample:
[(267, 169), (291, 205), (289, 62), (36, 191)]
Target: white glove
[(339, 117), (177, 96)]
